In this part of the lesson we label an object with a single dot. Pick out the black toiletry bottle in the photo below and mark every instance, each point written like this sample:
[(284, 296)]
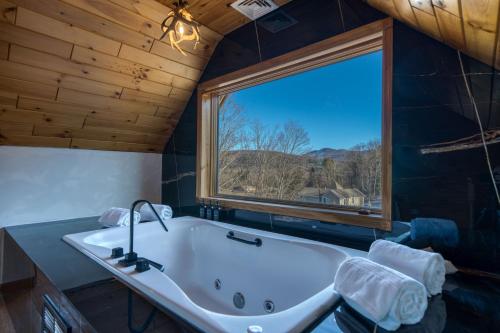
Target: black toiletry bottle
[(216, 212), (209, 211), (202, 209)]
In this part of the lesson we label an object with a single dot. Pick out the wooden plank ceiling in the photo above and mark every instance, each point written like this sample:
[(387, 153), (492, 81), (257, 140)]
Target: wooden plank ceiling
[(218, 15), (92, 74), (468, 25)]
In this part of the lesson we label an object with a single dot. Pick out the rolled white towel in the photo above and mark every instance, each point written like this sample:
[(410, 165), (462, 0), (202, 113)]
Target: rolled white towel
[(425, 267), (118, 217), (147, 214), (383, 295)]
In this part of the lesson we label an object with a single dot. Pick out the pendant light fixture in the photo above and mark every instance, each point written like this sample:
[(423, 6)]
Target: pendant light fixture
[(179, 26)]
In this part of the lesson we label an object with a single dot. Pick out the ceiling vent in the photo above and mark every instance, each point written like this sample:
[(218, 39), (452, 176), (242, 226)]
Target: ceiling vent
[(253, 9), (277, 21)]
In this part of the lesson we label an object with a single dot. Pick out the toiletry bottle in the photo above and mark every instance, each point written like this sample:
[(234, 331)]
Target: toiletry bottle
[(209, 211), (202, 209), (216, 212)]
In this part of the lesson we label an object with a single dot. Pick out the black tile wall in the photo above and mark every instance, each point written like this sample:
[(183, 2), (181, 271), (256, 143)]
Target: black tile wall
[(430, 105)]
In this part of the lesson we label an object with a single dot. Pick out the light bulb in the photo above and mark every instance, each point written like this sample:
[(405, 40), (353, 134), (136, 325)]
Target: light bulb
[(180, 29)]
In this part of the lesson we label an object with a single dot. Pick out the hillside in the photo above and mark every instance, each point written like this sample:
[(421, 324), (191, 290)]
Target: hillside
[(334, 154)]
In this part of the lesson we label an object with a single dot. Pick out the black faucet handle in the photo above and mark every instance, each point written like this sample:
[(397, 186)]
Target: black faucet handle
[(117, 252), (142, 265), (129, 260), (131, 257)]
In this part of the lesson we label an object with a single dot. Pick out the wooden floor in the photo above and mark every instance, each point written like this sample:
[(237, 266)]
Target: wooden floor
[(5, 322)]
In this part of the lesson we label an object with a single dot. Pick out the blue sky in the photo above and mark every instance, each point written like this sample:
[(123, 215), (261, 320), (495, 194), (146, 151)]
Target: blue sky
[(339, 105)]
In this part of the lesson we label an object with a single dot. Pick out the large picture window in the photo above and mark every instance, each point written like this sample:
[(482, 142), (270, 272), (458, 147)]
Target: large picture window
[(306, 134)]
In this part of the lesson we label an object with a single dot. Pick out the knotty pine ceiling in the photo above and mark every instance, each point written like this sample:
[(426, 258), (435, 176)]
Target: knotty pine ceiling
[(468, 25), (471, 26), (218, 15), (92, 74)]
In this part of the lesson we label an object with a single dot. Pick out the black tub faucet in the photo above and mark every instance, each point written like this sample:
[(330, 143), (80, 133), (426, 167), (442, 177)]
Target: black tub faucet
[(131, 257)]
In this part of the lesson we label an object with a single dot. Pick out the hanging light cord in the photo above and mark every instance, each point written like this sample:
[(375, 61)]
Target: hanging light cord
[(258, 41), (485, 146)]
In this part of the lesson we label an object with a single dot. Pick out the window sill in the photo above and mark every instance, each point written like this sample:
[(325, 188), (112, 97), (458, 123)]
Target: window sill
[(377, 221)]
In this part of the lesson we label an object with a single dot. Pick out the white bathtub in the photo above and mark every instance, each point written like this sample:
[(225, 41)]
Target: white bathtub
[(296, 275)]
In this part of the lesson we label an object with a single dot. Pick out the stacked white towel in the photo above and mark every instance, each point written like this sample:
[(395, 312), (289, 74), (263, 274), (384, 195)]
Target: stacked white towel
[(425, 267), (118, 217), (383, 295), (147, 214)]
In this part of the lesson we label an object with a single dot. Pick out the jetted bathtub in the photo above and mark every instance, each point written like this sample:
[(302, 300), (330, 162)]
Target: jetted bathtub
[(220, 284)]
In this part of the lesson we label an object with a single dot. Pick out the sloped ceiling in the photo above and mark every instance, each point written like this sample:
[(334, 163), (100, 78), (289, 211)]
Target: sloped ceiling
[(468, 25), (218, 15), (92, 74)]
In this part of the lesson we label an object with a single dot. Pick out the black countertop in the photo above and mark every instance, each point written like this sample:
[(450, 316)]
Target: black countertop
[(468, 304), (66, 267)]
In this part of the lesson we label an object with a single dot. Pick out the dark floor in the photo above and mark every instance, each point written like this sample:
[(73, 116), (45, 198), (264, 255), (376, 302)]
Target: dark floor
[(5, 322), (105, 305)]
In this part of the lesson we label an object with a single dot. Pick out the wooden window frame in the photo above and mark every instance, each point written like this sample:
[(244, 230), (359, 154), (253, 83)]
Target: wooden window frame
[(372, 37)]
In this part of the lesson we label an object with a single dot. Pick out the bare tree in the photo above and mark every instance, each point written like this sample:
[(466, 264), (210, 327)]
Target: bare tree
[(230, 137), (293, 139), (271, 162), (262, 140), (362, 169), (290, 169), (330, 172)]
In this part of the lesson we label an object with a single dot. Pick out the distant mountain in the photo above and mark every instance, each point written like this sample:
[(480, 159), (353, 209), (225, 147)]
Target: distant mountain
[(334, 154), (248, 156)]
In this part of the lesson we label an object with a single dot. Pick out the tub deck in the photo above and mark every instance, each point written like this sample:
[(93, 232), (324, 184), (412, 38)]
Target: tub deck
[(86, 283)]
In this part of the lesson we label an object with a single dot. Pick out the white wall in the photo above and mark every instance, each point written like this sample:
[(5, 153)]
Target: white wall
[(48, 184)]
